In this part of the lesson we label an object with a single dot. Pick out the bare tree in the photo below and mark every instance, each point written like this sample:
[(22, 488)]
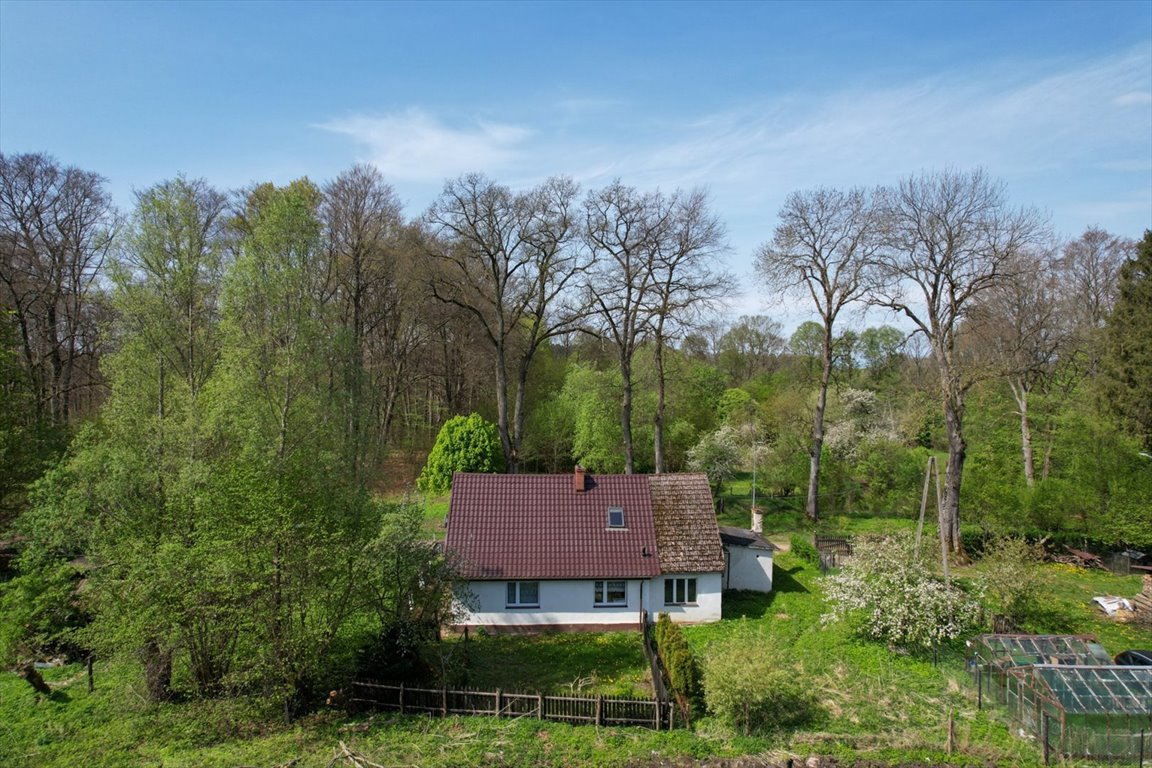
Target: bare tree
[(821, 250), (57, 225), (1088, 267), (686, 284), (623, 229), (364, 229), (507, 260), (947, 238)]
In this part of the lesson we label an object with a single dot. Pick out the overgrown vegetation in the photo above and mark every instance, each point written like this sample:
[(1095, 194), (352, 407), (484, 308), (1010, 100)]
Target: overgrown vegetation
[(891, 592), (197, 398)]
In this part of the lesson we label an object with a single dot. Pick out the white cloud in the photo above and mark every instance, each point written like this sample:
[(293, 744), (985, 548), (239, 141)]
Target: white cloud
[(413, 145), (1135, 98)]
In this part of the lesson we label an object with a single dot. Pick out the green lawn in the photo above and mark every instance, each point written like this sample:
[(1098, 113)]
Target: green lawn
[(869, 701), (608, 663)]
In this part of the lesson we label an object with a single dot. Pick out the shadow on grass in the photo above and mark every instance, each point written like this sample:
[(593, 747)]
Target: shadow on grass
[(745, 604), (554, 663)]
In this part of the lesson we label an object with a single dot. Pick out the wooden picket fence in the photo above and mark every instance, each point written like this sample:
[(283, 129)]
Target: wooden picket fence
[(599, 710)]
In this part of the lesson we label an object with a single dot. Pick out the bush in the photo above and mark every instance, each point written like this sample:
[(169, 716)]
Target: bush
[(889, 594), (753, 688), (1013, 586), (464, 444), (804, 549), (678, 659)]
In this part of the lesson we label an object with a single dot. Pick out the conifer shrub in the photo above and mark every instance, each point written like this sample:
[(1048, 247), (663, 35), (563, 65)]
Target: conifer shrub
[(678, 660), (804, 550)]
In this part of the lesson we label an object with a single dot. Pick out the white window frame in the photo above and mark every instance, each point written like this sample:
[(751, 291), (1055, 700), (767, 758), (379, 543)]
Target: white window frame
[(602, 593), (514, 594), (683, 590)]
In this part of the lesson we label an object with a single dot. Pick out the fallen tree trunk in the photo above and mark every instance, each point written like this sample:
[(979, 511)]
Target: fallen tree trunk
[(28, 671)]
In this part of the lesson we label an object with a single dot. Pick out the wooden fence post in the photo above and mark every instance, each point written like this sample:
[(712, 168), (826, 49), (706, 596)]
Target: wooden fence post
[(539, 706), (499, 701), (91, 681), (599, 710), (444, 701), (401, 698)]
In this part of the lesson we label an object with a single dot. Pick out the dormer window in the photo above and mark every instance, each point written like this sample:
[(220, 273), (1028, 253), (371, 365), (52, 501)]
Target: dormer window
[(615, 517)]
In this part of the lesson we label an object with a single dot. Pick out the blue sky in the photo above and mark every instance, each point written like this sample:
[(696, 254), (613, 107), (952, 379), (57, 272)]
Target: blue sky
[(750, 100)]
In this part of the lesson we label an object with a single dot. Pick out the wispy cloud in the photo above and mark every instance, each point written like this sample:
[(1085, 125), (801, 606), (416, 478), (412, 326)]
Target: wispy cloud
[(1054, 131), (414, 145)]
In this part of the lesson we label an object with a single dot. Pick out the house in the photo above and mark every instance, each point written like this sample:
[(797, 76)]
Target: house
[(596, 551), (585, 551)]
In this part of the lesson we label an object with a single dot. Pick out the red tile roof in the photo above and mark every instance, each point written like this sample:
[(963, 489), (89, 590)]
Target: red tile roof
[(540, 527)]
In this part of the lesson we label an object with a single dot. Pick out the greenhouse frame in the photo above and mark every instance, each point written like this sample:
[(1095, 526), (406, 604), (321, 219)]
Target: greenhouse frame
[(994, 655), (1098, 712)]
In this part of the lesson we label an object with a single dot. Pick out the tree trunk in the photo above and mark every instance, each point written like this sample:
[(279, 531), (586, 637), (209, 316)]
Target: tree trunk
[(1020, 393), (658, 420), (157, 671), (957, 451), (626, 413), (812, 506), (518, 414), (502, 412)]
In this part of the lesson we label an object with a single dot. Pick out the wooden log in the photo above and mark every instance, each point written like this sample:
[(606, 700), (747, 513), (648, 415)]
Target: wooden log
[(33, 677)]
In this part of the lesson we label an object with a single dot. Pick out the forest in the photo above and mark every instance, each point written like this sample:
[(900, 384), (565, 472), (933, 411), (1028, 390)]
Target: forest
[(214, 406)]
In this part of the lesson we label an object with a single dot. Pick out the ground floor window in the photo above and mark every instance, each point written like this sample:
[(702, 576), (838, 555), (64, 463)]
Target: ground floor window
[(679, 591), (523, 594), (611, 593)]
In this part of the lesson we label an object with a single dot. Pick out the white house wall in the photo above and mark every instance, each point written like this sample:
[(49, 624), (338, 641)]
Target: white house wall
[(749, 568), (709, 588), (570, 603)]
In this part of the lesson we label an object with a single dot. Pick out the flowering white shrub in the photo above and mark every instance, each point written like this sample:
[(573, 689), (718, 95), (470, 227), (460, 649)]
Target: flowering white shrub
[(888, 594)]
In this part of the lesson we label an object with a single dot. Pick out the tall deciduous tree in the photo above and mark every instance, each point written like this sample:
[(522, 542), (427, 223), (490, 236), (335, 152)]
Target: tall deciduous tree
[(57, 225), (947, 238), (507, 261), (821, 250), (1018, 326), (1088, 271), (365, 235), (686, 283), (623, 229)]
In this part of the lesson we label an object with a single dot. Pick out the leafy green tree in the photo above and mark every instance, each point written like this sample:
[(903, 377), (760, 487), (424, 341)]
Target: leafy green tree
[(880, 348), (1127, 370), (465, 444)]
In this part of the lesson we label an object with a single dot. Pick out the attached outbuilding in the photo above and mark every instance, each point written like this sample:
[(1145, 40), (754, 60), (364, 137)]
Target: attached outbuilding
[(748, 559)]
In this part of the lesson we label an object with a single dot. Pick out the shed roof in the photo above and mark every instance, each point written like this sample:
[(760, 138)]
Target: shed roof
[(540, 527), (1087, 690), (743, 537)]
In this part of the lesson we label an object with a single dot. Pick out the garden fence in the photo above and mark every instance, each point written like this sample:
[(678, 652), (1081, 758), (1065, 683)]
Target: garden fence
[(598, 710)]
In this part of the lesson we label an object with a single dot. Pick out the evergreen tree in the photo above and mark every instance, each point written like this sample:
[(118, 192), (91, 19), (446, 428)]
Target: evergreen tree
[(1127, 374)]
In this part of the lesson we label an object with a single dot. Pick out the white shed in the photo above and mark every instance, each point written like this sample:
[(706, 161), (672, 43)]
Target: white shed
[(747, 559)]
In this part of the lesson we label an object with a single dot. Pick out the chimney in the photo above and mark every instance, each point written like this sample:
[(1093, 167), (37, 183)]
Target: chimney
[(578, 480), (757, 520)]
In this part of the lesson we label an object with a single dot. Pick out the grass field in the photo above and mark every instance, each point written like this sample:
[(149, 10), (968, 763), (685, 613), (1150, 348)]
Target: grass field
[(868, 701)]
